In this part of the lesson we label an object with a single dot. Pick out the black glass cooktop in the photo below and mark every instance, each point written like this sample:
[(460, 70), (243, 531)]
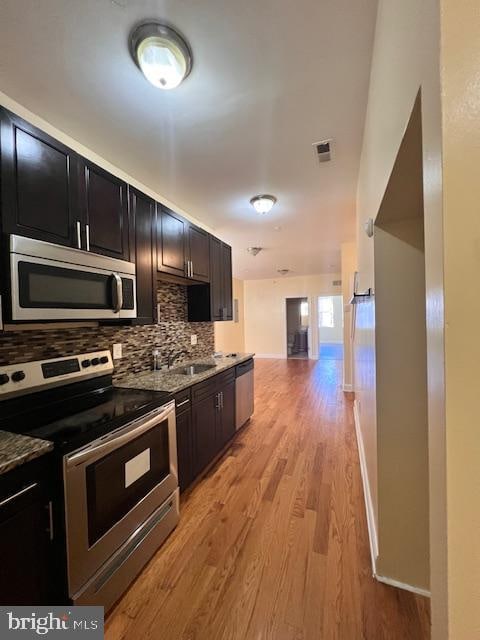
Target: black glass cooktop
[(71, 417)]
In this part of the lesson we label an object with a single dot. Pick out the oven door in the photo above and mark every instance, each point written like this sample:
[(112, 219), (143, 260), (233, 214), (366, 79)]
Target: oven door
[(48, 290), (113, 485)]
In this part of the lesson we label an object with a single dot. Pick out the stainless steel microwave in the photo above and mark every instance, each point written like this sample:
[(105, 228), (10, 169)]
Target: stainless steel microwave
[(51, 282)]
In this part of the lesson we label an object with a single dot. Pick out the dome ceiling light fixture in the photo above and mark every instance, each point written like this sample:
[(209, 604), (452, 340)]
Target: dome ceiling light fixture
[(263, 203), (283, 272), (161, 53), (253, 251)]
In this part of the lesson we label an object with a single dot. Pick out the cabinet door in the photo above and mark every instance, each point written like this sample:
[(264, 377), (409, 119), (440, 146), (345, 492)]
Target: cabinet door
[(25, 567), (227, 303), (39, 183), (204, 414), (104, 197), (216, 279), (199, 253), (184, 449), (142, 217), (171, 242), (227, 413)]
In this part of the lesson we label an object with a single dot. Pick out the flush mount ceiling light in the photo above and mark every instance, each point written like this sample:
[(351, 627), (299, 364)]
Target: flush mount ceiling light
[(161, 53), (263, 204), (253, 251), (283, 272)]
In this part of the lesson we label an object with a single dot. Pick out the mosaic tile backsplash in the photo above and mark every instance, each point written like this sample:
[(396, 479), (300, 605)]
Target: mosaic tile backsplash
[(171, 334)]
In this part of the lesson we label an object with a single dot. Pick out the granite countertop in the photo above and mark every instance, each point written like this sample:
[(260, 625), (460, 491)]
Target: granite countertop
[(16, 450), (167, 380)]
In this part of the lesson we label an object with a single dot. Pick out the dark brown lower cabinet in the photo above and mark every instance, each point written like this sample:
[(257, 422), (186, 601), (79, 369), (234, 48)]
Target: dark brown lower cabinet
[(226, 417), (205, 424), (26, 574), (213, 414), (184, 439), (204, 414)]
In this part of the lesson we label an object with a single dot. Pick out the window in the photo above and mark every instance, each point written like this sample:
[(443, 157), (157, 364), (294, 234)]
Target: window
[(325, 312), (304, 309)]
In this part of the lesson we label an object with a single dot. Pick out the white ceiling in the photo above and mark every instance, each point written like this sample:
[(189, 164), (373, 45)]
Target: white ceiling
[(270, 78)]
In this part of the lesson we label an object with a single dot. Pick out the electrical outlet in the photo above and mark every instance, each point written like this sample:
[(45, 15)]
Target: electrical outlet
[(117, 351), (193, 339)]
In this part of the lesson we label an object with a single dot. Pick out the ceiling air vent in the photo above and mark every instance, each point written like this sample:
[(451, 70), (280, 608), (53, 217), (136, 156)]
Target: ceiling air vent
[(337, 283), (323, 150)]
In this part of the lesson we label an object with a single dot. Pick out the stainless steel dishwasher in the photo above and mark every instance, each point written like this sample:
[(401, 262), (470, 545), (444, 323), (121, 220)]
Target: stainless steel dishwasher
[(244, 392)]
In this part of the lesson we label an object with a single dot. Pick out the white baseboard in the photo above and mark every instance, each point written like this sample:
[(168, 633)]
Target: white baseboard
[(372, 529), (348, 387), (281, 356), (403, 585)]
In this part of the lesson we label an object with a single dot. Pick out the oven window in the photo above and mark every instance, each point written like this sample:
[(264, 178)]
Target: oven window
[(117, 482), (47, 287)]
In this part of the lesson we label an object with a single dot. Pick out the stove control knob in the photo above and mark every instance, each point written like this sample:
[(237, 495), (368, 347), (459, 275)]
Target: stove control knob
[(18, 376), (4, 378), (103, 360), (86, 363), (95, 361)]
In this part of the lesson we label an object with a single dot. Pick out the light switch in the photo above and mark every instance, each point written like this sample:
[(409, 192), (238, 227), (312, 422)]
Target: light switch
[(193, 339)]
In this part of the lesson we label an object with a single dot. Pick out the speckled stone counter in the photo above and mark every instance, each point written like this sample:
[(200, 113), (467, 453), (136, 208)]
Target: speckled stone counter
[(16, 450), (168, 380)]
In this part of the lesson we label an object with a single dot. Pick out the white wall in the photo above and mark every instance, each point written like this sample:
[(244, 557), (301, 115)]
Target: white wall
[(406, 59), (265, 311), (349, 266)]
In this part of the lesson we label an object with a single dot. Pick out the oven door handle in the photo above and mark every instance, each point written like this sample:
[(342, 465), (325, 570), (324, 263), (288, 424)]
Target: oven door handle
[(117, 293), (117, 438)]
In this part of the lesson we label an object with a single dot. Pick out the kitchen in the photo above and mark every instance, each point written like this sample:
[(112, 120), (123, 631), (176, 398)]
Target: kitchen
[(160, 455), (166, 427)]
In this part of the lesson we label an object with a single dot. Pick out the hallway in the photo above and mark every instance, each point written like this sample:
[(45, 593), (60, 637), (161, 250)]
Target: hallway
[(273, 543)]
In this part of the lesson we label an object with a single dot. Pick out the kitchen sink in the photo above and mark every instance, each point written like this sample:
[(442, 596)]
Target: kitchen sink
[(193, 369)]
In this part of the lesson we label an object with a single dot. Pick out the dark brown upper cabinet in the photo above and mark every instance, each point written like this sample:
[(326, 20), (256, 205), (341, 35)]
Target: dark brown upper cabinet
[(171, 242), (50, 193), (213, 302), (39, 192), (183, 250), (198, 254), (227, 294), (142, 217), (104, 200)]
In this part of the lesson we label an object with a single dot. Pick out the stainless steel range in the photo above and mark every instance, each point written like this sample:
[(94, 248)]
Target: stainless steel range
[(117, 461)]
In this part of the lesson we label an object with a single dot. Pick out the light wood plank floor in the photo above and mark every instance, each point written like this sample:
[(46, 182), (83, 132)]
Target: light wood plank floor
[(273, 543)]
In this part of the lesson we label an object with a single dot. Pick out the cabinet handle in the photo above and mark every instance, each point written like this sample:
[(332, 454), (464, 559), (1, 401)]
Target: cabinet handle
[(79, 235), (187, 268), (87, 232), (180, 404), (50, 520), (217, 403), (18, 494), (191, 268), (221, 397)]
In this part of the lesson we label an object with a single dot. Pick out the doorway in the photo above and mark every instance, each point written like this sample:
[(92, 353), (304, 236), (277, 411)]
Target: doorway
[(297, 328), (330, 328)]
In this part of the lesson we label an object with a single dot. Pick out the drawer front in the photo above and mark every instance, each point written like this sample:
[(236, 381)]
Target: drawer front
[(212, 385), (183, 401)]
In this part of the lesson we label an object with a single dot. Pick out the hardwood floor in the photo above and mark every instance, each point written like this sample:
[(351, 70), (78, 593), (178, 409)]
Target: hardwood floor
[(273, 543)]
